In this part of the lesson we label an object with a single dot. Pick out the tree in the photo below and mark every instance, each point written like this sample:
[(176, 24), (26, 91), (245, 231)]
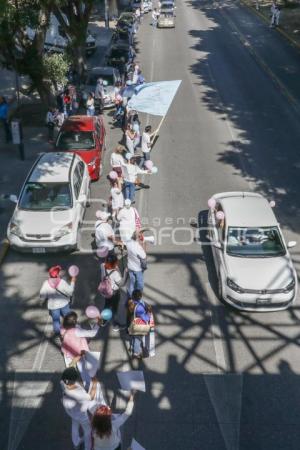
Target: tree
[(74, 16)]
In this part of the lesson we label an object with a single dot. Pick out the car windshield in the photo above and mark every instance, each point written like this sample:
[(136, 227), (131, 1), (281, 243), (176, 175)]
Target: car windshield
[(166, 14), (254, 242), (118, 53), (45, 196), (93, 78), (75, 140)]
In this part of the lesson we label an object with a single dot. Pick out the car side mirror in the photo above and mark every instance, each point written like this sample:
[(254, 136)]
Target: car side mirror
[(13, 198), (82, 198), (291, 244)]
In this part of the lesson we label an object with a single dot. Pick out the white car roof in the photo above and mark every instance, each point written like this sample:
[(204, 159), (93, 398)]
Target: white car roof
[(52, 168), (246, 209)]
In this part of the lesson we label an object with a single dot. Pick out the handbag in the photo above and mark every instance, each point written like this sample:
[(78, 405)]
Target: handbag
[(138, 327)]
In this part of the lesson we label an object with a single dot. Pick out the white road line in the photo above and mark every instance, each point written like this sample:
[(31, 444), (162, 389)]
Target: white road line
[(218, 338)]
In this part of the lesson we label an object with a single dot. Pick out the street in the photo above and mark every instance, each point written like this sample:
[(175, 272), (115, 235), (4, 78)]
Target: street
[(221, 379)]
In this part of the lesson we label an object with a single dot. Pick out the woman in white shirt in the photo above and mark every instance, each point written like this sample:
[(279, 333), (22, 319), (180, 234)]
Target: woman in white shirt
[(116, 159), (117, 198), (106, 426), (90, 105), (77, 402), (130, 135)]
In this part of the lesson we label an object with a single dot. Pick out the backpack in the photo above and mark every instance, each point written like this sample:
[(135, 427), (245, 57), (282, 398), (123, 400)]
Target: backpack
[(105, 286)]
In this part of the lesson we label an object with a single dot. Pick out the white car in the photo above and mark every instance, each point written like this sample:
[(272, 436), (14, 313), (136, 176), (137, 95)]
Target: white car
[(51, 205), (254, 268)]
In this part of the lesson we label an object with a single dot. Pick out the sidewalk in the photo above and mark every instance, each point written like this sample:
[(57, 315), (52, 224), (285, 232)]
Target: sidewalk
[(279, 58)]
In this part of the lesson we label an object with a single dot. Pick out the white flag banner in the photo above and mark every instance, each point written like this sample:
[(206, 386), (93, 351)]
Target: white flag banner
[(136, 446), (154, 98)]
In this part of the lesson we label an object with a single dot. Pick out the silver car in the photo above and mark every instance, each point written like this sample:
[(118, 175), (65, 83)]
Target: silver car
[(166, 18), (254, 268), (110, 76)]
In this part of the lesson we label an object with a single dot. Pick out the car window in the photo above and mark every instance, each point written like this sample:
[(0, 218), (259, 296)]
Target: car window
[(77, 179), (93, 78), (75, 140), (254, 242), (45, 196)]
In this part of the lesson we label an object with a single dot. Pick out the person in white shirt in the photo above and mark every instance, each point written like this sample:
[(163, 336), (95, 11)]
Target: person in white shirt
[(74, 344), (90, 105), (130, 136), (51, 122), (58, 294), (117, 198), (147, 138), (77, 402), (135, 256), (117, 159), (110, 269), (128, 218), (104, 234), (106, 426), (130, 172)]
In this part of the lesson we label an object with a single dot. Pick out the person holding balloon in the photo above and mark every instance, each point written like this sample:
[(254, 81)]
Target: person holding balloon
[(74, 343), (58, 294), (130, 171), (116, 159), (147, 138)]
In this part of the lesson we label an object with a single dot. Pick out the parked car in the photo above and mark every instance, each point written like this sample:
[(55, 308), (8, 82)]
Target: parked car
[(110, 76), (147, 6), (126, 19), (166, 18), (51, 205), (254, 268), (118, 54), (85, 136), (167, 4), (56, 39)]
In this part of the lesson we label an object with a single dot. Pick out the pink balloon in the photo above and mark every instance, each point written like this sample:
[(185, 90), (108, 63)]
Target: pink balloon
[(113, 175), (220, 215), (73, 271), (211, 203), (92, 312), (149, 164), (102, 252)]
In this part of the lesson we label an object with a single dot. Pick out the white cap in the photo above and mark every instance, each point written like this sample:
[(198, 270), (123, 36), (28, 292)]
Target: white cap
[(129, 156), (127, 202), (102, 215)]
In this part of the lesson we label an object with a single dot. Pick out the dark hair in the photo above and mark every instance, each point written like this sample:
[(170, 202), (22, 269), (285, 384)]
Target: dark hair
[(137, 295), (148, 128), (111, 262), (70, 375), (101, 421), (70, 320)]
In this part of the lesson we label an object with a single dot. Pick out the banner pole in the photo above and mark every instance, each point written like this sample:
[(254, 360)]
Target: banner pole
[(158, 128)]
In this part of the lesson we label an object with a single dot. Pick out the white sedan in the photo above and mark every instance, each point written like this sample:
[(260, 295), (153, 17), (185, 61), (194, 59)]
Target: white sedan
[(51, 205), (254, 268)]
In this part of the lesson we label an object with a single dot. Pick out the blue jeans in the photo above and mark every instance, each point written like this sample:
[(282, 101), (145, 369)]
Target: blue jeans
[(55, 314), (145, 157), (136, 281), (129, 190), (136, 345)]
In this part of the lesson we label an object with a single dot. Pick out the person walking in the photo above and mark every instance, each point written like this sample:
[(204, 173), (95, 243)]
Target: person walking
[(139, 315), (104, 234), (136, 264), (74, 344), (147, 138), (275, 14), (106, 426), (77, 402), (99, 96), (155, 15), (51, 118), (4, 118), (90, 105), (116, 197), (130, 172), (130, 136), (116, 159), (110, 269), (58, 294), (129, 221)]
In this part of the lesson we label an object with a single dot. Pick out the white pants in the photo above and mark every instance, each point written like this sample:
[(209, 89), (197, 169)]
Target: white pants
[(86, 428)]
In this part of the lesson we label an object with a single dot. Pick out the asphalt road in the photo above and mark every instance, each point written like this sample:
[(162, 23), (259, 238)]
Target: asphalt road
[(221, 379)]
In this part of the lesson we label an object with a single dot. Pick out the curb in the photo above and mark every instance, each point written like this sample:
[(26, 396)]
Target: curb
[(293, 101), (4, 247), (278, 29)]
